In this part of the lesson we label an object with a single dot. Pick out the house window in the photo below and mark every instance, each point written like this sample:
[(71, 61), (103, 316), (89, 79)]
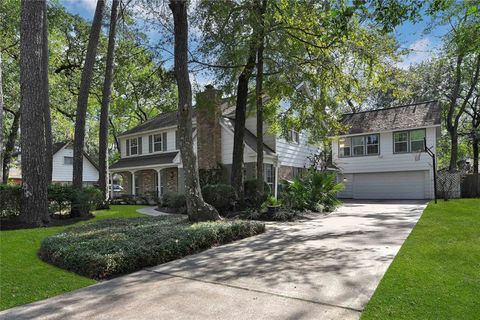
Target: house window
[(293, 136), (372, 144), (68, 161), (134, 146), (345, 144), (417, 140), (358, 144), (269, 175), (409, 141), (157, 142)]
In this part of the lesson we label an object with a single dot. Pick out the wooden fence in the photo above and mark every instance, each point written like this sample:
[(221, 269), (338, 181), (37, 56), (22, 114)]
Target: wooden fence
[(471, 186)]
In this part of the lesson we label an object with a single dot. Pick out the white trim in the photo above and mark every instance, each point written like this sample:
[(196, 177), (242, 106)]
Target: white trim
[(194, 123), (374, 132), (153, 167)]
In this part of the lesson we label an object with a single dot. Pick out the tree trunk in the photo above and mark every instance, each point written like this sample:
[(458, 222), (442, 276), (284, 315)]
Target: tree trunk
[(34, 208), (475, 153), (10, 145), (82, 102), (47, 116), (114, 132), (259, 103), (453, 149), (1, 118), (107, 85), (239, 131), (198, 209)]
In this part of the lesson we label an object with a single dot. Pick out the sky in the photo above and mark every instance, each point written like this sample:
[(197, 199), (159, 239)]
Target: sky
[(411, 36)]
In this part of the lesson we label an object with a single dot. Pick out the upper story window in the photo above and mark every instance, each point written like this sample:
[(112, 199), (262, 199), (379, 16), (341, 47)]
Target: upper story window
[(408, 141), (134, 146), (157, 142), (359, 146), (293, 136), (68, 160)]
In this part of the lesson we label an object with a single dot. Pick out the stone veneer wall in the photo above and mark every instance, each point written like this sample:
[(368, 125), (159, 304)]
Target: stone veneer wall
[(146, 181), (170, 179)]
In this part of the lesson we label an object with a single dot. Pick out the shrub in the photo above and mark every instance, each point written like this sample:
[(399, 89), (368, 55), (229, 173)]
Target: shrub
[(173, 200), (60, 199), (314, 191), (221, 196), (107, 248), (250, 191), (10, 200)]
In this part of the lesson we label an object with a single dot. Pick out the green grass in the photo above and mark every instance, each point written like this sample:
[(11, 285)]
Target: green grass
[(436, 274), (25, 278)]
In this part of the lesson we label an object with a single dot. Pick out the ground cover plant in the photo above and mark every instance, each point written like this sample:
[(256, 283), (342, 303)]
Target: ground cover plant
[(436, 273), (108, 248), (25, 278)]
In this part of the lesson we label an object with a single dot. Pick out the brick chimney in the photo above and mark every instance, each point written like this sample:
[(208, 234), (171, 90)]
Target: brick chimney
[(208, 128)]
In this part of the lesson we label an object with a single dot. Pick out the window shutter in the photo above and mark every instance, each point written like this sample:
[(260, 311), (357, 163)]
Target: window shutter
[(176, 139), (128, 147), (164, 141), (150, 144), (140, 145)]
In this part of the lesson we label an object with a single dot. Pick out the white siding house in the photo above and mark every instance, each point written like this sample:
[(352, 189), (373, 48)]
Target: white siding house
[(213, 136), (382, 154), (62, 171)]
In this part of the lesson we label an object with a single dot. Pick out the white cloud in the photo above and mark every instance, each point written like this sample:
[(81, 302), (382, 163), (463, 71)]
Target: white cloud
[(419, 51), (81, 5)]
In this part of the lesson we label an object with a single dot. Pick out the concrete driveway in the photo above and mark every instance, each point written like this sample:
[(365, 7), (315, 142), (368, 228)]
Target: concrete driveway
[(324, 268)]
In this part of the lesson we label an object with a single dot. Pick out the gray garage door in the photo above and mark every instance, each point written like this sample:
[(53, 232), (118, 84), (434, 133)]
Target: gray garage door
[(390, 185)]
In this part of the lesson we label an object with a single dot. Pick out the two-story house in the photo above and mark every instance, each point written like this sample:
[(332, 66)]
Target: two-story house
[(150, 161), (380, 156)]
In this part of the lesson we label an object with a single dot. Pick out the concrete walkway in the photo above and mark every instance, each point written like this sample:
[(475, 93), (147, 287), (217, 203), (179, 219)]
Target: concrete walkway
[(150, 211), (325, 268)]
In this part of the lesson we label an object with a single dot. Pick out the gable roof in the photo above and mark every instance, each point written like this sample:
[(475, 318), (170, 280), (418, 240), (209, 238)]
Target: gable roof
[(166, 119), (417, 115), (249, 138)]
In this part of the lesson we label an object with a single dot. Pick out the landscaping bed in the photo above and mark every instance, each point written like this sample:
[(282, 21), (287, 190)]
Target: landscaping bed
[(436, 274), (109, 248)]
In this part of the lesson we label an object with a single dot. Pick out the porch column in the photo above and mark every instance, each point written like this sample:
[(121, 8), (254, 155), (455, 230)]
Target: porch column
[(275, 188), (133, 182), (159, 184)]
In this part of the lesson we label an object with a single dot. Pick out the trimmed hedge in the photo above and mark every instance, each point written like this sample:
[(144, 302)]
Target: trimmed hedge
[(173, 200), (60, 198), (109, 248), (221, 196)]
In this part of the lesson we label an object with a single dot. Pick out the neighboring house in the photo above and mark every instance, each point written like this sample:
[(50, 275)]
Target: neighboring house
[(150, 161), (62, 170), (380, 156)]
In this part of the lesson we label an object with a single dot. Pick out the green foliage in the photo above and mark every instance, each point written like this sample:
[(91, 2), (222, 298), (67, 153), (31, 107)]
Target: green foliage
[(60, 198), (314, 191), (221, 196), (10, 200), (173, 200), (271, 202), (109, 248), (250, 191)]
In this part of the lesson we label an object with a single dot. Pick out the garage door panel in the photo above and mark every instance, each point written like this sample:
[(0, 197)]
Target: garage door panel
[(389, 185)]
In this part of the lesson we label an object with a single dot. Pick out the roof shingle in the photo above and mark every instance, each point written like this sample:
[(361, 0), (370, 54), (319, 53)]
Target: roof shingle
[(424, 114), (140, 161)]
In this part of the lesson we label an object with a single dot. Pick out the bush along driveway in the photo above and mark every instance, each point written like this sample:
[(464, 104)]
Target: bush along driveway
[(436, 274), (323, 268)]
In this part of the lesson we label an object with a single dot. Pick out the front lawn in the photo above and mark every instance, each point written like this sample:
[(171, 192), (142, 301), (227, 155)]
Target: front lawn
[(436, 274), (25, 278)]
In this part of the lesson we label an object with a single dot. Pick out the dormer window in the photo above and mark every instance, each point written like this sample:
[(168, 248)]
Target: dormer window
[(293, 136)]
